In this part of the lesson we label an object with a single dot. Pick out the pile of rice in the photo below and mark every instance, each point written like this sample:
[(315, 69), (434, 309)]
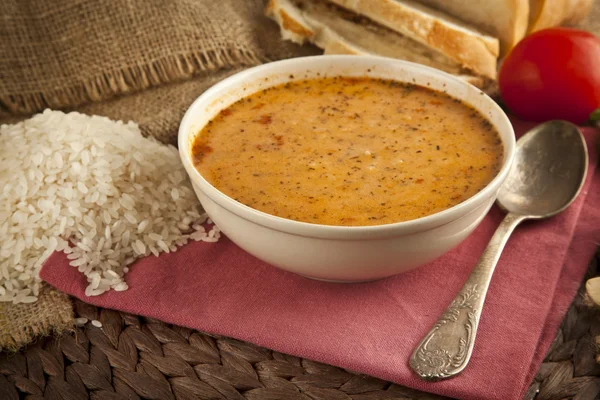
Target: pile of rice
[(95, 189)]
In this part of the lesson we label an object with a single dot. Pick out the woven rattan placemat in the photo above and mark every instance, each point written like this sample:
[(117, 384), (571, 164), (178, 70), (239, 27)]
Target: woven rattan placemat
[(131, 357)]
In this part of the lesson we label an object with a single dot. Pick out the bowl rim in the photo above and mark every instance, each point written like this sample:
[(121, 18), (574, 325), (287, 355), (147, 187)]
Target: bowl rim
[(300, 228)]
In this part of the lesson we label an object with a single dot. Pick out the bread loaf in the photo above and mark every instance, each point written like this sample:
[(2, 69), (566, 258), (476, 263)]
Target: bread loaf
[(505, 19), (547, 13), (338, 31), (458, 41)]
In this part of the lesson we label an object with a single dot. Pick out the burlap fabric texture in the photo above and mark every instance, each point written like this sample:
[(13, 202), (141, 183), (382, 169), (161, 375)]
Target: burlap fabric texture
[(62, 54), (140, 60), (21, 323)]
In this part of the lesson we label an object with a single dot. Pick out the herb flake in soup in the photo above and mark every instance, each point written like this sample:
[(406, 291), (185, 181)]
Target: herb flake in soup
[(348, 151)]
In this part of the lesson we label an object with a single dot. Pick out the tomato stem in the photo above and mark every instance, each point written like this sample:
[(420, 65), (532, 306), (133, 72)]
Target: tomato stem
[(595, 115)]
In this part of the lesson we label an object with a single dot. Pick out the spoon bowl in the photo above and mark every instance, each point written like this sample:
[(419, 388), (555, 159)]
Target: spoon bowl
[(546, 176), (547, 173)]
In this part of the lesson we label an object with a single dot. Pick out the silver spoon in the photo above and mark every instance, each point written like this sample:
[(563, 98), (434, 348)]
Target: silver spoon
[(548, 172)]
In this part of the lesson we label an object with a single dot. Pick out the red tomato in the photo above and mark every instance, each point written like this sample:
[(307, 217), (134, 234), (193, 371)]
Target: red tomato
[(553, 74)]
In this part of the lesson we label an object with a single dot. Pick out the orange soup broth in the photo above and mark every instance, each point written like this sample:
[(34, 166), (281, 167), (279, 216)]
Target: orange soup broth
[(347, 151)]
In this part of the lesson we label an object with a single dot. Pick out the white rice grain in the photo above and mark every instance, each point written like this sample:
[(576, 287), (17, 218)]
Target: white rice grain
[(28, 299), (143, 225), (97, 323), (93, 188), (121, 287)]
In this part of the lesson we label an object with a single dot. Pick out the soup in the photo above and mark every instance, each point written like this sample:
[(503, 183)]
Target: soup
[(348, 151)]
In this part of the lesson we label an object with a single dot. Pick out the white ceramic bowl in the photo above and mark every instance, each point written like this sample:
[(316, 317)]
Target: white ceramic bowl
[(339, 253)]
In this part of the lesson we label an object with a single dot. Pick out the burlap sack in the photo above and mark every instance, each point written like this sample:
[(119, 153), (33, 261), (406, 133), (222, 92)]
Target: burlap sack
[(62, 53), (22, 323), (140, 60)]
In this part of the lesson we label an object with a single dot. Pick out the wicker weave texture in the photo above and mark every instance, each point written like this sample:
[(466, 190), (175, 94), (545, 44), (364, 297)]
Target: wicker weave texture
[(131, 357)]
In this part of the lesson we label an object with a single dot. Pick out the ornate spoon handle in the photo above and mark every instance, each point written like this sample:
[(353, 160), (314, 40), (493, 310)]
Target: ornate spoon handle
[(446, 349)]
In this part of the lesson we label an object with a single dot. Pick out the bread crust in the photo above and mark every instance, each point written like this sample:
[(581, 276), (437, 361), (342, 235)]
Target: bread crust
[(505, 19), (298, 26), (549, 13), (468, 47), (293, 27)]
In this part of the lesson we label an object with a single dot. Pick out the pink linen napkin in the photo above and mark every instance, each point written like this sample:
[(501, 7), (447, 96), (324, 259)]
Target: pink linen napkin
[(372, 328)]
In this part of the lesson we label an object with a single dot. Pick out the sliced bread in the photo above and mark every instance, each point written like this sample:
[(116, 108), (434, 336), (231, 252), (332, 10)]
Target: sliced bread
[(547, 13), (338, 31), (462, 43), (505, 19)]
